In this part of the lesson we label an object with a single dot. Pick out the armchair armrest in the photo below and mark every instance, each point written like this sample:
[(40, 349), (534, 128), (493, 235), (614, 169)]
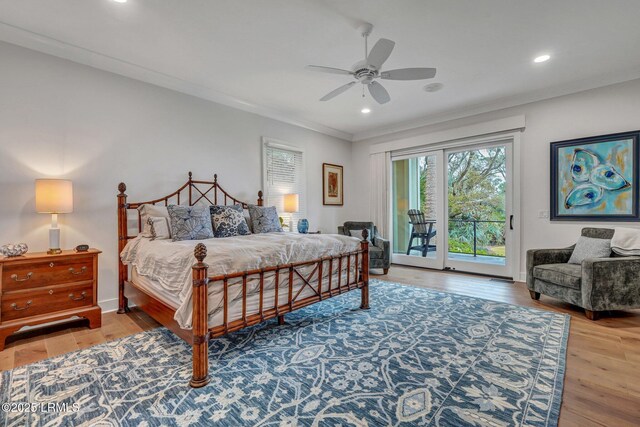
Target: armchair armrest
[(341, 229), (545, 256), (611, 283)]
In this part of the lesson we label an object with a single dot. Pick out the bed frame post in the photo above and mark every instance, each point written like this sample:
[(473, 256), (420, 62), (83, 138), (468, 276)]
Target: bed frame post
[(123, 271), (200, 327), (364, 244), (260, 202)]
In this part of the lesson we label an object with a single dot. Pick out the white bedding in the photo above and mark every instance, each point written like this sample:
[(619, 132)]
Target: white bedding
[(165, 267)]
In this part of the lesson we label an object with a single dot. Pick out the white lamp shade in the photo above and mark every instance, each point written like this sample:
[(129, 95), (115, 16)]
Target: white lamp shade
[(54, 196), (291, 203)]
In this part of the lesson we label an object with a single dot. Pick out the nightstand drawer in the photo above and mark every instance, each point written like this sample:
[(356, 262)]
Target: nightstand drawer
[(17, 305), (44, 273)]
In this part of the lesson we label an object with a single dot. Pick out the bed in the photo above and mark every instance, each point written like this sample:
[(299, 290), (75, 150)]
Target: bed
[(203, 289)]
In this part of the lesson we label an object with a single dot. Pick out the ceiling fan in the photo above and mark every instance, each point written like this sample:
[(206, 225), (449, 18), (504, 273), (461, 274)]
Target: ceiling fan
[(368, 70)]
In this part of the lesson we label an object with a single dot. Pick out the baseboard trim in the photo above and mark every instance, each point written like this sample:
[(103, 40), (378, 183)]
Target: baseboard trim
[(108, 305)]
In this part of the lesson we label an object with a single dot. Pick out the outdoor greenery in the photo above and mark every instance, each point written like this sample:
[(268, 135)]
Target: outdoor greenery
[(477, 180)]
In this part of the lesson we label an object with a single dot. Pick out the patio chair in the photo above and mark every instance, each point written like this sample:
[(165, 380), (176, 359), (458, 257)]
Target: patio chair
[(421, 229)]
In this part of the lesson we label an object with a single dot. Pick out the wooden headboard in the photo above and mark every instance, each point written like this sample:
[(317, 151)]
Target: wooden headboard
[(192, 192)]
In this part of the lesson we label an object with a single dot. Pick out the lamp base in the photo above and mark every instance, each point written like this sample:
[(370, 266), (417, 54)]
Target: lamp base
[(54, 251)]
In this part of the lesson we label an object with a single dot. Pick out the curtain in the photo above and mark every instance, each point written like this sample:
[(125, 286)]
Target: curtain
[(380, 187)]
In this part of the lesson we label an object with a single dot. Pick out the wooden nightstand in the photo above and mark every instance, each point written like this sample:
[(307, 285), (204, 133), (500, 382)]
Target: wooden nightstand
[(38, 288)]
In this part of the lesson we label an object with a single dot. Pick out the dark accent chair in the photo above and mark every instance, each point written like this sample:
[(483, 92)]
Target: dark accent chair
[(598, 284), (379, 249), (421, 229)]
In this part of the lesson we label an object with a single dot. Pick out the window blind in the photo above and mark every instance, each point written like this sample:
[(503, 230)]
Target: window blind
[(285, 174)]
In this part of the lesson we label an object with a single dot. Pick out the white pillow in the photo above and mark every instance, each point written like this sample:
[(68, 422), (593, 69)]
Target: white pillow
[(148, 211), (158, 228)]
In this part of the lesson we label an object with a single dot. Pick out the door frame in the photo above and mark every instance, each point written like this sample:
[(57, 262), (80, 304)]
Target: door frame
[(516, 234)]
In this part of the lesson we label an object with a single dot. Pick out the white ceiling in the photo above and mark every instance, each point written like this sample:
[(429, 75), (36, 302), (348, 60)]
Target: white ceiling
[(251, 53)]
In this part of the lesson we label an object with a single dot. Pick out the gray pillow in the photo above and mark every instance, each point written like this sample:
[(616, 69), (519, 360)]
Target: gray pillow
[(588, 247), (264, 219), (190, 222), (228, 221)]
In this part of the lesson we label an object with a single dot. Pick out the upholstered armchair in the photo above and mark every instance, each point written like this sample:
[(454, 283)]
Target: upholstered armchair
[(598, 284), (379, 249)]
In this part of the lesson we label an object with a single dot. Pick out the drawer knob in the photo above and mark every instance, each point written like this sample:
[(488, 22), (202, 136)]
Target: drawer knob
[(82, 296), (22, 279), (50, 291), (51, 264), (77, 273), (15, 306)]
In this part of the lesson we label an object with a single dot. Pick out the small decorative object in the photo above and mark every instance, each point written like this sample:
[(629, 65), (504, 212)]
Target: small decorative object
[(291, 206), (332, 185), (54, 196), (595, 178), (12, 250), (303, 226), (82, 248)]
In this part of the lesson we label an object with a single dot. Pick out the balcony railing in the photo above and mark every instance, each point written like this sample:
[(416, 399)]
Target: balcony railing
[(474, 227)]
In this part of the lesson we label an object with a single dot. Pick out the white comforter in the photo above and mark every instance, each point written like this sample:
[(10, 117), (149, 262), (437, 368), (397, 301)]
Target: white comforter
[(169, 263)]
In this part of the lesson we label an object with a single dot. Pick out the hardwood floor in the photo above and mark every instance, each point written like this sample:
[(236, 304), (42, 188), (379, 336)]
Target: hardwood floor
[(602, 380)]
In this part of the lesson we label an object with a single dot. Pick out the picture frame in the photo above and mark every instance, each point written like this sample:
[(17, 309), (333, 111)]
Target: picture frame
[(332, 185), (596, 178)]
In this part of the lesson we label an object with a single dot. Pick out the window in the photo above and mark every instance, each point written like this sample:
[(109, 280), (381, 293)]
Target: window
[(284, 173)]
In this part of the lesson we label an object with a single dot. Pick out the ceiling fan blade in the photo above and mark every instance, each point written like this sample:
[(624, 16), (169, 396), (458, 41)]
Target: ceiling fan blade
[(409, 74), (380, 52), (330, 70), (337, 92), (379, 93)]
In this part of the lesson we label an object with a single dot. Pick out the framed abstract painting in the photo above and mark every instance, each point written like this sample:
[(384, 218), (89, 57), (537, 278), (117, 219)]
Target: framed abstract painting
[(595, 178), (332, 185)]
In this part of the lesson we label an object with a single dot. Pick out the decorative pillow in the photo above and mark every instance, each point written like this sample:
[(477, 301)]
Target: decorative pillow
[(190, 222), (588, 247), (264, 220), (228, 221), (158, 227), (147, 211)]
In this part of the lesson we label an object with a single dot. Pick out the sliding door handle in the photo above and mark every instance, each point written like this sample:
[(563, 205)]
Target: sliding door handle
[(511, 222)]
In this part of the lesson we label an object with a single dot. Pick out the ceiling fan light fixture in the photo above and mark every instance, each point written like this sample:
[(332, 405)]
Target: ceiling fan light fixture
[(541, 58), (365, 110)]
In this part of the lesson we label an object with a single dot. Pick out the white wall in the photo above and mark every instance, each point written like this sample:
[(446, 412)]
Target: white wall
[(62, 119), (599, 111)]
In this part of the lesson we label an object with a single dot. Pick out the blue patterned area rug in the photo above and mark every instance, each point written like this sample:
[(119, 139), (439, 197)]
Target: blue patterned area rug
[(417, 357)]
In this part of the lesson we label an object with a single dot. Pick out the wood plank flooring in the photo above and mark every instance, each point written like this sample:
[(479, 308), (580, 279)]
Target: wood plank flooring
[(602, 380)]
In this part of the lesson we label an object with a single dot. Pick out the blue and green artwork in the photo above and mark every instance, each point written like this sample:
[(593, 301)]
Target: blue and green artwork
[(595, 178)]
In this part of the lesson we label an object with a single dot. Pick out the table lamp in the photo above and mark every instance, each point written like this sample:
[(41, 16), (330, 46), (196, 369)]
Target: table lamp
[(291, 206), (54, 196)]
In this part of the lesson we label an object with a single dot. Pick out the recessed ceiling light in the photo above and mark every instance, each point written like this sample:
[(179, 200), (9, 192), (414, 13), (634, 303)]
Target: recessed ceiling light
[(542, 58), (120, 1), (365, 110)]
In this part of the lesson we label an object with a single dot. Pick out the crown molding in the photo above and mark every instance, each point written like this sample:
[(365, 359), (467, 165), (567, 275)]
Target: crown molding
[(416, 127), (44, 44)]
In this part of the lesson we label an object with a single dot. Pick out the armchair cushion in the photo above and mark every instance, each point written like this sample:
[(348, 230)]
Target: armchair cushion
[(358, 234), (375, 252), (567, 275)]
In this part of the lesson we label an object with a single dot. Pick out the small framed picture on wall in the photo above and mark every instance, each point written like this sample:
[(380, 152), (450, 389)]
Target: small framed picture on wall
[(332, 185)]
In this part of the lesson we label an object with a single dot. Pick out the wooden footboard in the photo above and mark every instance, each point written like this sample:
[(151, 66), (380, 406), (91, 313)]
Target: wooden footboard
[(324, 288)]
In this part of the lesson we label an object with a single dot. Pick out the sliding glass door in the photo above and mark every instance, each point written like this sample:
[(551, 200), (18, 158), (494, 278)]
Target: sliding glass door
[(452, 209), (417, 200), (479, 214)]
